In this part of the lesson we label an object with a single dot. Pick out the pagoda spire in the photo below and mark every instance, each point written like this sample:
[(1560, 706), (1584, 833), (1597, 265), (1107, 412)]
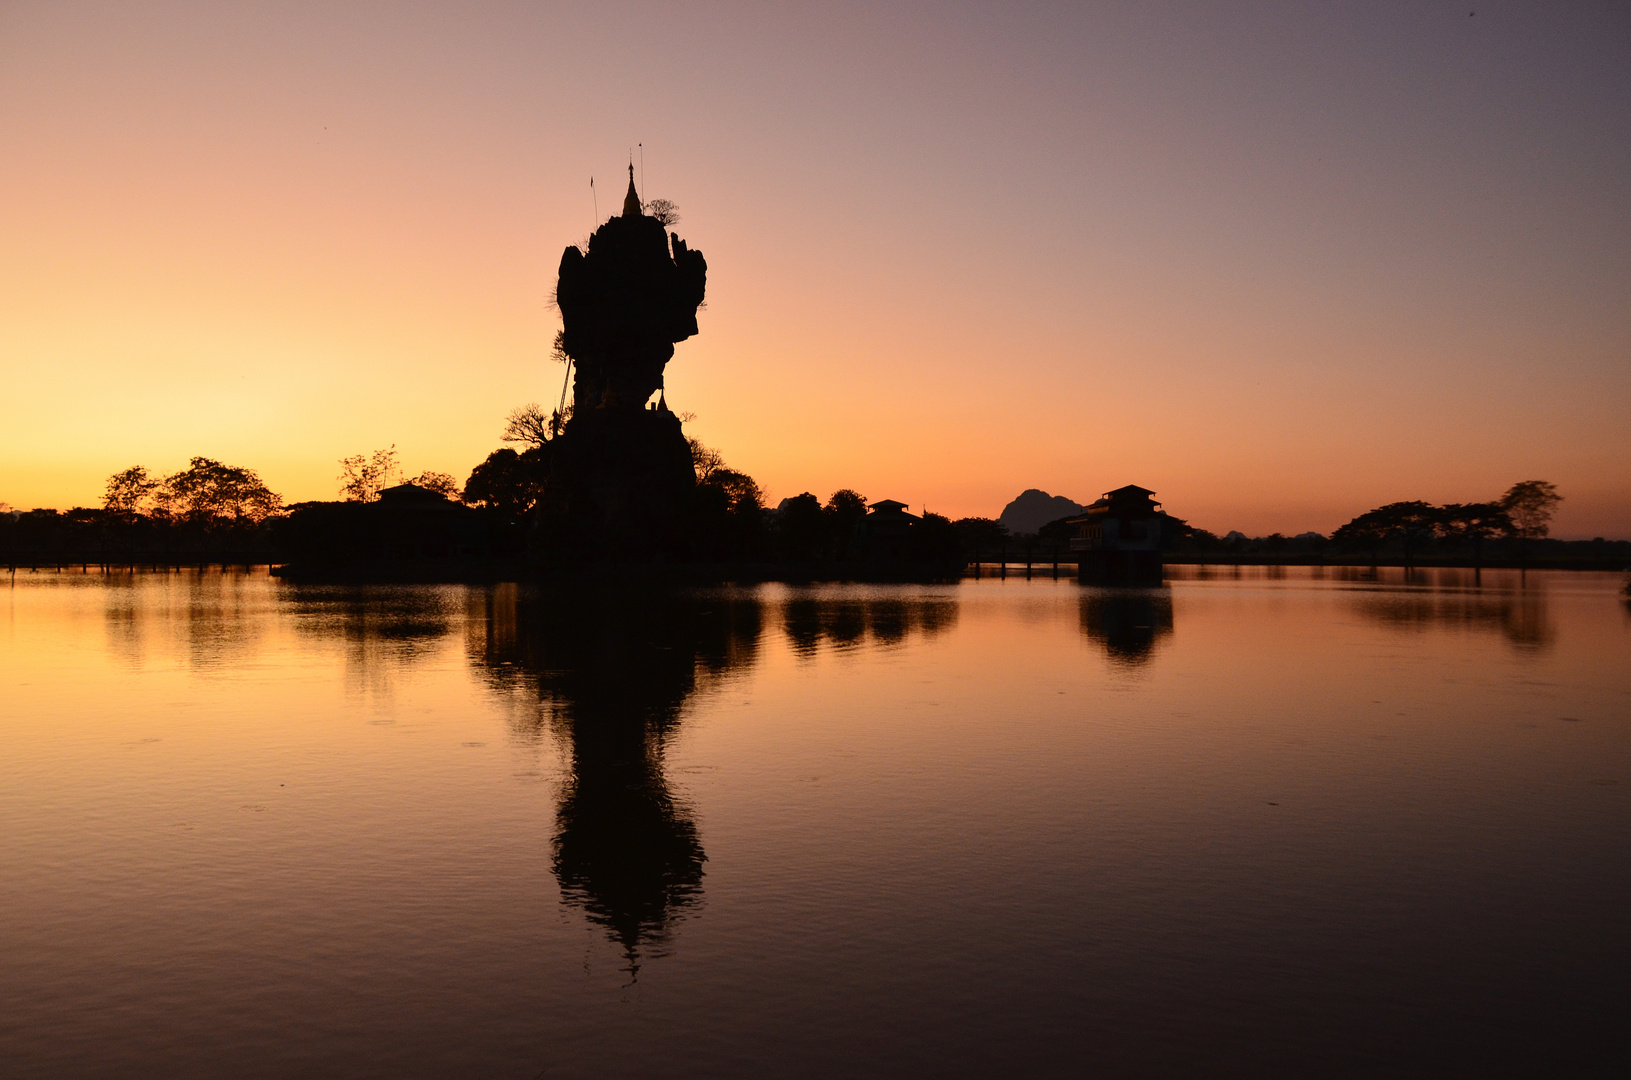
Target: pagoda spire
[(631, 201)]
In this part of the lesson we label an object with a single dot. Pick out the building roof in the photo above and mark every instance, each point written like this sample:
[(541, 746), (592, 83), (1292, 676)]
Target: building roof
[(1123, 502), (888, 506), (413, 493)]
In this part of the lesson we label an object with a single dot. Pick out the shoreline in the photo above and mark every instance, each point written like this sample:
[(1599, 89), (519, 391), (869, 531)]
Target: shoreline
[(502, 571)]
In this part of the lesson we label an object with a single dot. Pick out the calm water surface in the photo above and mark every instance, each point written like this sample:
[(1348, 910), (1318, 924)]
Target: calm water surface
[(1275, 823)]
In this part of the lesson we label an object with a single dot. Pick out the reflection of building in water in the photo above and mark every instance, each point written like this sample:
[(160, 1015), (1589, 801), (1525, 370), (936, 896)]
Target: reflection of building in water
[(1129, 623), (614, 673)]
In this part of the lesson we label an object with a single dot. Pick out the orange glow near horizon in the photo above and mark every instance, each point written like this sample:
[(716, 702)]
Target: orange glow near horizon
[(1279, 273)]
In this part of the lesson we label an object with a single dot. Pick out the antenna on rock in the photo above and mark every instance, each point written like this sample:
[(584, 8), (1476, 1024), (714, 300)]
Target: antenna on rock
[(596, 223)]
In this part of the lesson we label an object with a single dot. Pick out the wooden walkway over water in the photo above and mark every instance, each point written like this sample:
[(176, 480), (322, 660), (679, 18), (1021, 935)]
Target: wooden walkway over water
[(1041, 563)]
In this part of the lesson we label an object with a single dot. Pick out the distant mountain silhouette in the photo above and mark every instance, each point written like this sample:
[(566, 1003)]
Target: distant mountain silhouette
[(1034, 509)]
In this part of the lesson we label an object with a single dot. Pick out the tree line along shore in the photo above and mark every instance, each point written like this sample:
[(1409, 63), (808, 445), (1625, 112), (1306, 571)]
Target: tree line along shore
[(211, 512)]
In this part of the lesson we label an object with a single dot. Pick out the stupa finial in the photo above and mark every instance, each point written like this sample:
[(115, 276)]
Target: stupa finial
[(631, 201)]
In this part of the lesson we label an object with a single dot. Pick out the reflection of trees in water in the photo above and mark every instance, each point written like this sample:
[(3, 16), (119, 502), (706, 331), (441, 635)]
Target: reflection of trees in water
[(1128, 623), (614, 673), (848, 622), (406, 618), (383, 627), (1521, 616), (213, 617)]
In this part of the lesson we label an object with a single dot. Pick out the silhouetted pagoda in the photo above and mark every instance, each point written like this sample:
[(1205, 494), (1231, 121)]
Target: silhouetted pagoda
[(1121, 536), (621, 472)]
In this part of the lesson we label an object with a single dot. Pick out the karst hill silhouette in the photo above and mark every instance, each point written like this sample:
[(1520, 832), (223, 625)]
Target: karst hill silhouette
[(621, 473), (1034, 508), (625, 302)]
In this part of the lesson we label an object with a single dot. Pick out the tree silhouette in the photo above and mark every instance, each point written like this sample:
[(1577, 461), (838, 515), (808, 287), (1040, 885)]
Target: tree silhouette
[(664, 211), (130, 492), (209, 491), (977, 535), (362, 478), (705, 460), (801, 528), (529, 424), (847, 503), (727, 517), (1474, 523), (1530, 504), (845, 511), (742, 492), (1411, 522), (507, 482)]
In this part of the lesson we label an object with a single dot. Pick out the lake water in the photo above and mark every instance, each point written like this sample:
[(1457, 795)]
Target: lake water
[(1256, 822)]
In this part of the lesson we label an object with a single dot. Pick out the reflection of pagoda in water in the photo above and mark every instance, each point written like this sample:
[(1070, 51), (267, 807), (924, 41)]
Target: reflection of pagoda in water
[(616, 673)]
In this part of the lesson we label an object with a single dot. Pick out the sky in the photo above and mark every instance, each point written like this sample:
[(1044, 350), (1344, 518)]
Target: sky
[(1280, 263)]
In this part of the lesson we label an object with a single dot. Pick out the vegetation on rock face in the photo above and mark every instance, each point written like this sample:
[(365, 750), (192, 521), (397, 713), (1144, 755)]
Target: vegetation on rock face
[(666, 212), (704, 460), (529, 425)]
